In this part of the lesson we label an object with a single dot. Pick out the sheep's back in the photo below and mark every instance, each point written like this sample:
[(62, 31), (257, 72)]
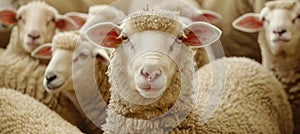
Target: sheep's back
[(253, 100), (20, 113)]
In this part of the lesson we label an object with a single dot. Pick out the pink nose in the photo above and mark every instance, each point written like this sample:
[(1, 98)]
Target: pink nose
[(279, 32), (34, 35), (151, 73)]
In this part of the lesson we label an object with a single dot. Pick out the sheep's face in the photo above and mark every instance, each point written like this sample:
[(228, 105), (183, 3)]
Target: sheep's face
[(57, 75), (279, 24), (36, 25), (282, 29), (149, 58)]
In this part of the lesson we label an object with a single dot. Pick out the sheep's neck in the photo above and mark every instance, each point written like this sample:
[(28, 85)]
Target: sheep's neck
[(285, 68)]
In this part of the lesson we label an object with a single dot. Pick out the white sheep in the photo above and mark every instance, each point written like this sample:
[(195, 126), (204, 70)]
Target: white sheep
[(23, 114), (60, 78), (235, 43), (153, 61), (36, 24), (278, 26)]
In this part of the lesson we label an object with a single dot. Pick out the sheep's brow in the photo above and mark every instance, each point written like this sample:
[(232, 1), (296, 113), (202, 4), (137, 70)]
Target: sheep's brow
[(289, 5), (154, 19)]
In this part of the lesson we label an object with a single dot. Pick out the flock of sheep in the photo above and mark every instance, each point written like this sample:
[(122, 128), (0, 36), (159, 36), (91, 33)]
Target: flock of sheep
[(149, 66)]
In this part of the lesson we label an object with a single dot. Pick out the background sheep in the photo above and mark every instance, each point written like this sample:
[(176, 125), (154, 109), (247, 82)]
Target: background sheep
[(5, 29), (24, 73), (236, 43), (278, 25), (88, 62), (22, 114), (145, 95)]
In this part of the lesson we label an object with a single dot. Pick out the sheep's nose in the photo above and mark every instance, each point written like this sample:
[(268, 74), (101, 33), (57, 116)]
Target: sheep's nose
[(50, 78), (280, 32), (151, 73), (34, 35)]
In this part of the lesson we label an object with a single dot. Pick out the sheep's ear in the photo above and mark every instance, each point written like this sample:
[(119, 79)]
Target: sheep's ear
[(249, 22), (78, 18), (201, 34), (42, 52), (208, 16), (104, 34), (102, 55), (64, 23), (8, 17)]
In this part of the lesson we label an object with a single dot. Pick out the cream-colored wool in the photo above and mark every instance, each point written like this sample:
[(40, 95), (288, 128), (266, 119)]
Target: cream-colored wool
[(92, 104), (23, 114), (24, 73), (285, 67), (253, 102), (236, 43)]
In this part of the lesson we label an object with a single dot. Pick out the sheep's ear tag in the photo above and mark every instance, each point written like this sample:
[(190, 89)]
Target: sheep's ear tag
[(104, 34), (208, 16), (42, 52), (8, 17), (201, 34), (249, 22)]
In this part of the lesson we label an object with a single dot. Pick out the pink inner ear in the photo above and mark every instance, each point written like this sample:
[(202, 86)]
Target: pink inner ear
[(65, 25), (250, 23), (78, 20), (110, 37), (206, 18), (8, 17), (192, 40), (45, 51)]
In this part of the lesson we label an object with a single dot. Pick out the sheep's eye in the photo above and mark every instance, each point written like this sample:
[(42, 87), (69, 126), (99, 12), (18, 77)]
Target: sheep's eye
[(51, 21), (20, 18), (298, 17), (180, 38), (124, 37), (263, 19), (83, 54)]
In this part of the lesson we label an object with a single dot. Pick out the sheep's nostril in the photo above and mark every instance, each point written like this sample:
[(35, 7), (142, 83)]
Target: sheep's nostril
[(34, 37), (144, 73), (280, 32), (154, 75), (51, 78)]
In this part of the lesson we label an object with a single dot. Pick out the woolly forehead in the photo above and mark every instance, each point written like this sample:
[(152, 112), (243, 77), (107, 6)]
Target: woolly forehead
[(158, 20), (292, 5), (67, 40), (37, 5)]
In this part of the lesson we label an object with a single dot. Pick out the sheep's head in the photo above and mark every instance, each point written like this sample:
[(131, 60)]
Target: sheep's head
[(148, 46), (280, 23), (37, 23), (58, 74)]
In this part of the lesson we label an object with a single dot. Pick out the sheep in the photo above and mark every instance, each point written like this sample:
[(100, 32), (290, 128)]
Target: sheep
[(5, 29), (150, 64), (236, 43), (58, 76), (278, 27), (23, 114), (22, 71)]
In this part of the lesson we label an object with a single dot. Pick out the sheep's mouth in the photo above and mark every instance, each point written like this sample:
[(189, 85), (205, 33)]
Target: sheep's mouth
[(281, 40), (53, 87)]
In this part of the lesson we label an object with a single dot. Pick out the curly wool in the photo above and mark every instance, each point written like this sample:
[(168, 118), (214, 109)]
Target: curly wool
[(252, 103), (68, 41), (285, 68), (23, 73), (20, 113)]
